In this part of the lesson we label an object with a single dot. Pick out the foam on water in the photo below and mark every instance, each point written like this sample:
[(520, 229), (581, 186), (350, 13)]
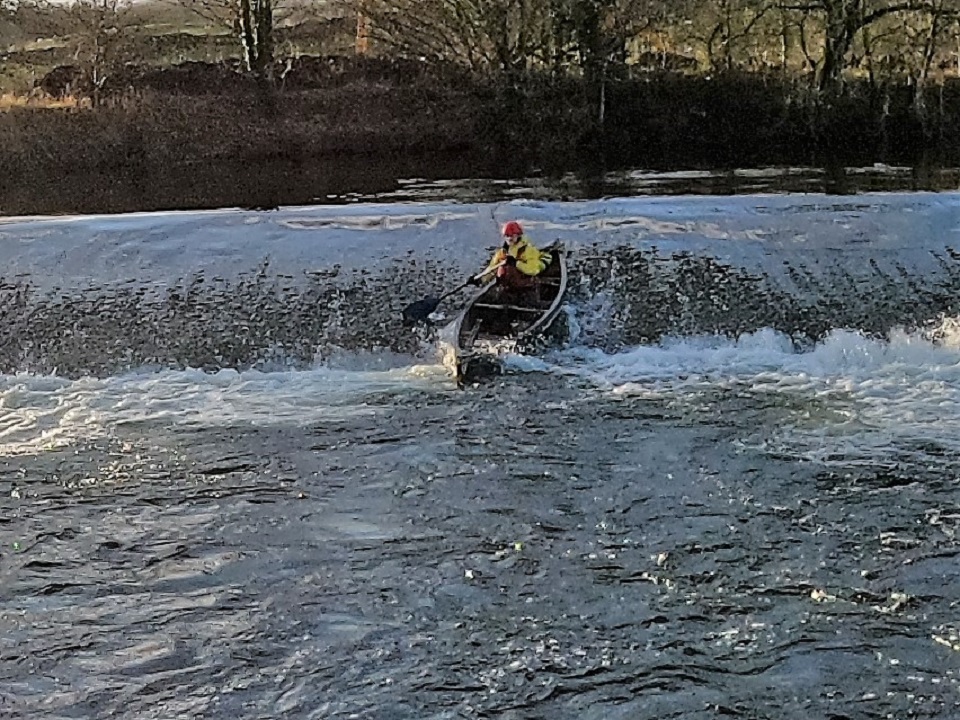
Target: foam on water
[(99, 295), (164, 246), (39, 413), (851, 399)]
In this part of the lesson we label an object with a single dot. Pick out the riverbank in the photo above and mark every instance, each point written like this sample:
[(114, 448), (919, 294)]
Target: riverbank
[(202, 146)]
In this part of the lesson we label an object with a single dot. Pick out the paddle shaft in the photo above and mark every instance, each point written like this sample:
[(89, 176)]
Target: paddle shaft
[(470, 280), (418, 311)]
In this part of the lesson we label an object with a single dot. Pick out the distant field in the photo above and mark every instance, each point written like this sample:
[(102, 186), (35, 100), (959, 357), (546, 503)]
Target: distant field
[(19, 100), (162, 42)]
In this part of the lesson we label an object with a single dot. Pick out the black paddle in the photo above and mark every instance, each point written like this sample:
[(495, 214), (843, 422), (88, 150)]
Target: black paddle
[(420, 310)]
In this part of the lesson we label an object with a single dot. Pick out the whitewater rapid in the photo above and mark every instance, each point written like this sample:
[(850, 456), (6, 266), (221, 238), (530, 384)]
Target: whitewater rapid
[(232, 484), (842, 308), (247, 289), (850, 400)]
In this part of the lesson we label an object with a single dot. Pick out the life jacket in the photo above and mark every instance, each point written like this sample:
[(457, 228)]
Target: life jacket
[(530, 260)]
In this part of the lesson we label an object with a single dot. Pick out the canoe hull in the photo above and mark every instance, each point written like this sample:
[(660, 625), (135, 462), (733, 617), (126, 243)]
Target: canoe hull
[(496, 321)]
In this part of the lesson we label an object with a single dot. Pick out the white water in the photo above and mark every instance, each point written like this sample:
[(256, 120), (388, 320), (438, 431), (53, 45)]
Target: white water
[(40, 413), (757, 232), (865, 400), (850, 400)]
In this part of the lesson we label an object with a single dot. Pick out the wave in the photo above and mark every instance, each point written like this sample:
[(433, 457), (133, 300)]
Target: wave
[(241, 290), (43, 413), (848, 400)]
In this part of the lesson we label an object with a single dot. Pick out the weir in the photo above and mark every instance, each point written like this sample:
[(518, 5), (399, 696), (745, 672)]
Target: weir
[(233, 288)]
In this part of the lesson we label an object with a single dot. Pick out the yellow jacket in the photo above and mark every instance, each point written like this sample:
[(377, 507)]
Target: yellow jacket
[(530, 260)]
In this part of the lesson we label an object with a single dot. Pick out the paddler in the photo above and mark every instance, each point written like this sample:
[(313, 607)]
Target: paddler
[(516, 263)]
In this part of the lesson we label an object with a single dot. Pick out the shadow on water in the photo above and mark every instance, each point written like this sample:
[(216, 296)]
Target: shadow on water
[(215, 185), (441, 177)]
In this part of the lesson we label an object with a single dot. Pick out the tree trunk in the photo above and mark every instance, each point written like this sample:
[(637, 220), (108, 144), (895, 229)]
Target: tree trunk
[(784, 42), (929, 52), (362, 42), (841, 27), (247, 40), (845, 18), (256, 36), (264, 38)]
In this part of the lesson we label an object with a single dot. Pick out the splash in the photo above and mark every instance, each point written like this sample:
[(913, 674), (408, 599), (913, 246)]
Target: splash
[(848, 400), (45, 413)]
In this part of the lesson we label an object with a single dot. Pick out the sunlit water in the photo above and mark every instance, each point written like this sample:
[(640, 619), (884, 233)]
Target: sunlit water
[(314, 522)]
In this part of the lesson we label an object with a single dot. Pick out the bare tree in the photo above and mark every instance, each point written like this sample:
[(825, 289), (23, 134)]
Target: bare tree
[(97, 35), (932, 35), (99, 41), (509, 36), (593, 37), (485, 34), (843, 21), (909, 44), (252, 21), (725, 28)]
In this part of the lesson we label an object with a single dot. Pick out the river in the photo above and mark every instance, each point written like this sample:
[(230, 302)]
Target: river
[(232, 484)]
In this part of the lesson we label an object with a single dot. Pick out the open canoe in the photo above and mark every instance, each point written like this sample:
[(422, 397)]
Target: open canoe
[(491, 321)]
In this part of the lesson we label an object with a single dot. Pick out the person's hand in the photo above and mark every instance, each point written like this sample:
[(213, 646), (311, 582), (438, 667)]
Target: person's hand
[(476, 280), (510, 261)]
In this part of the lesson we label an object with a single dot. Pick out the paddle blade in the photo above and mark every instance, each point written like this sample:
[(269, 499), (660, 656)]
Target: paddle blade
[(420, 310)]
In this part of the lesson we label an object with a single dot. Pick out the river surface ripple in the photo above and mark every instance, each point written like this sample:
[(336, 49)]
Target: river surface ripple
[(531, 548)]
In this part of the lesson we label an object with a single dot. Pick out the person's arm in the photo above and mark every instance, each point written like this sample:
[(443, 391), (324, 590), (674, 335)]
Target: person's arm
[(487, 275)]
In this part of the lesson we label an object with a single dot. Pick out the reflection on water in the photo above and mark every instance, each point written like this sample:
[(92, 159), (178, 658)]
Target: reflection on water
[(430, 178), (592, 184)]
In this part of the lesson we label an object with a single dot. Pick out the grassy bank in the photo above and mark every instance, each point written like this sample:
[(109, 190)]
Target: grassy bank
[(170, 129), (661, 119)]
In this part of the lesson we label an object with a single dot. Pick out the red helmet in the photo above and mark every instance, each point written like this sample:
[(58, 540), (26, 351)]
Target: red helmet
[(512, 229)]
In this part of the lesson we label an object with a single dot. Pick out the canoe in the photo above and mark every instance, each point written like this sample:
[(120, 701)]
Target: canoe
[(492, 322)]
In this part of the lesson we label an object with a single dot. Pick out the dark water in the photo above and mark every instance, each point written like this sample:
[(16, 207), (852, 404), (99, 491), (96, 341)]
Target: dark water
[(530, 549), (430, 178)]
